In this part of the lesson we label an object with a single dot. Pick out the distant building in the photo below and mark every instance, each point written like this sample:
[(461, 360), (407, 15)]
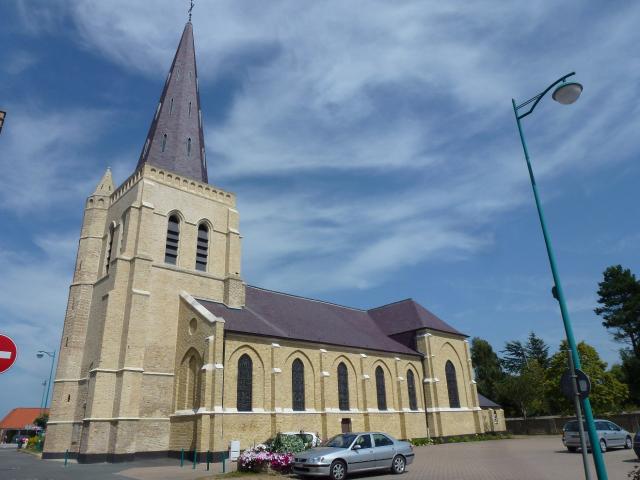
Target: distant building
[(20, 421), (165, 347)]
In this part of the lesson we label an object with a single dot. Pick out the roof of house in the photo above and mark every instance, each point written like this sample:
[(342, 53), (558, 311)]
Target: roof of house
[(484, 402), (17, 418), (280, 315)]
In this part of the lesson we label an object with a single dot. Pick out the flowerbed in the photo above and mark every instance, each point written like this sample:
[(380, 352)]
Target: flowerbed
[(259, 458)]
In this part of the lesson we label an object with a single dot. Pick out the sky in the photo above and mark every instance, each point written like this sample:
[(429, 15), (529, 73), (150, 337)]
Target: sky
[(371, 144)]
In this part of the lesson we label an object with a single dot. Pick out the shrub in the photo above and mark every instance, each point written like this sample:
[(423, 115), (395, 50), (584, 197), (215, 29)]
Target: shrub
[(634, 474), (260, 458), (287, 444)]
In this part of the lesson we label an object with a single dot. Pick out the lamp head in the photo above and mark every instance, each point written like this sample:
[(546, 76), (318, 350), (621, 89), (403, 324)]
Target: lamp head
[(39, 354), (567, 93)]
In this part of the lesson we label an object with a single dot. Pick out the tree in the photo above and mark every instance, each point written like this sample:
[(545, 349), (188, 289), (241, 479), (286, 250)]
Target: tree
[(619, 294), (631, 374), (608, 394), (41, 421), (517, 356), (486, 366), (514, 358), (538, 350), (526, 390)]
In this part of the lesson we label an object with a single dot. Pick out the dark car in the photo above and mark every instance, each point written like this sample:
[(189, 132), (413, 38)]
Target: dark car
[(636, 444)]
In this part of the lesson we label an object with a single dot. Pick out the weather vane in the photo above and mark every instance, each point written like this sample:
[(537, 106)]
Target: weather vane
[(190, 9)]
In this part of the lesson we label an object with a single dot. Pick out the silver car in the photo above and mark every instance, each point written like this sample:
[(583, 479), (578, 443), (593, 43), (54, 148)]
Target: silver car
[(610, 435), (354, 452)]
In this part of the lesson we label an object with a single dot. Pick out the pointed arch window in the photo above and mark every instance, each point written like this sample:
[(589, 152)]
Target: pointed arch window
[(245, 384), (188, 147), (381, 391), (171, 107), (343, 387), (164, 142), (297, 385), (173, 238), (452, 385), (411, 387), (109, 247), (189, 109), (202, 247)]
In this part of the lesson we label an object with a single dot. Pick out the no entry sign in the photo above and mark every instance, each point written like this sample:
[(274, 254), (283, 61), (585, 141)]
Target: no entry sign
[(8, 353)]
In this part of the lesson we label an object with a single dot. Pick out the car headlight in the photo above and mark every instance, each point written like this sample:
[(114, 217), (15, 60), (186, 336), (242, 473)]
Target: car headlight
[(316, 460)]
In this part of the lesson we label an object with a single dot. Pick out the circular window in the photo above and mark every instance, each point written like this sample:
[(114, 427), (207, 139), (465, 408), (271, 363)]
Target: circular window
[(193, 325)]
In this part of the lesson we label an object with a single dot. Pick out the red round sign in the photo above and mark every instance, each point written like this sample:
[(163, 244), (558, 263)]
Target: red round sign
[(8, 353)]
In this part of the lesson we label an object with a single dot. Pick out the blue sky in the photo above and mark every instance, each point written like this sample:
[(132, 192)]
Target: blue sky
[(372, 147)]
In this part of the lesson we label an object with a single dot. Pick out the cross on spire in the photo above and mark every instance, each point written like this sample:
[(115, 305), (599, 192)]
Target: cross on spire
[(190, 9)]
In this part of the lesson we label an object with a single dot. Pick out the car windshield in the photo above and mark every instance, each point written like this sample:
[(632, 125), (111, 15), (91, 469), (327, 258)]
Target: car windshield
[(573, 426), (340, 441)]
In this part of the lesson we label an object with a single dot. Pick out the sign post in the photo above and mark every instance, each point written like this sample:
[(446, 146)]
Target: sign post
[(8, 353)]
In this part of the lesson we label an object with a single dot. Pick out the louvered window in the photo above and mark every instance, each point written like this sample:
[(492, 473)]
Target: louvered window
[(202, 248), (297, 385), (381, 391), (173, 237), (452, 385), (188, 147), (164, 142), (109, 248), (343, 387), (245, 383), (411, 387)]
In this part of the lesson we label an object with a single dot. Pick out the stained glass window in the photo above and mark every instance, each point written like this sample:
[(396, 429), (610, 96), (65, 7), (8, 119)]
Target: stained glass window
[(343, 387), (411, 387), (297, 385), (452, 385), (245, 383), (381, 391)]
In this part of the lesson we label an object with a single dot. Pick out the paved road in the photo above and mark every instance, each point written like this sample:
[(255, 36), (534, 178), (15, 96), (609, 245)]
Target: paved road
[(524, 458)]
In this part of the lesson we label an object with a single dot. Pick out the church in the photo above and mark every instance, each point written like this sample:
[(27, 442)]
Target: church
[(164, 347)]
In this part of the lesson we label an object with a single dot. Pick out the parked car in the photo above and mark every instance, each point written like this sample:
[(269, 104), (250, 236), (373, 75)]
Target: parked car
[(354, 452), (636, 444), (609, 435), (309, 439)]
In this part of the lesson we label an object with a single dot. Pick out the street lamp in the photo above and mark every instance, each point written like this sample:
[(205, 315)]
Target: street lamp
[(565, 93), (40, 354)]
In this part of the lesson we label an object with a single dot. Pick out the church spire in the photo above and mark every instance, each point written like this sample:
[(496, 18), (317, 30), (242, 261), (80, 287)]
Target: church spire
[(175, 140)]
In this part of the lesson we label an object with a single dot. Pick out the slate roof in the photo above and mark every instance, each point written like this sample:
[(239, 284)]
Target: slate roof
[(280, 315), (408, 315), (178, 117), (17, 418), (484, 402)]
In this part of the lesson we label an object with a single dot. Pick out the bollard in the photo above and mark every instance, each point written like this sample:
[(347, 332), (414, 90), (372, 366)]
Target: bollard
[(195, 458), (66, 457), (181, 457), (224, 463), (208, 459)]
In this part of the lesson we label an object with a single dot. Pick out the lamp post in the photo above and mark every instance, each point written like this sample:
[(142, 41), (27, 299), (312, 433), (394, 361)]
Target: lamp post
[(2, 115), (565, 93), (44, 389), (40, 354)]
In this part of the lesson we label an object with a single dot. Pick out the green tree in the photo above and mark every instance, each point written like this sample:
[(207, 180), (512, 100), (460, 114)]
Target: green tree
[(486, 365), (631, 370), (537, 349), (619, 294), (608, 394), (514, 357), (41, 421), (526, 390)]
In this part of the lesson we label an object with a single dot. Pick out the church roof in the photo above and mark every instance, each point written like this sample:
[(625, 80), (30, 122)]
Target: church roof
[(280, 315), (408, 315), (484, 402), (175, 140)]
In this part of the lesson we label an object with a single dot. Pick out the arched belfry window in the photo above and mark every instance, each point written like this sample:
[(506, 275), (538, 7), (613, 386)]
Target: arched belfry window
[(297, 385), (164, 142), (189, 109), (188, 147), (109, 247), (343, 387), (173, 237), (245, 384), (381, 391), (452, 385), (411, 388), (202, 247), (171, 107)]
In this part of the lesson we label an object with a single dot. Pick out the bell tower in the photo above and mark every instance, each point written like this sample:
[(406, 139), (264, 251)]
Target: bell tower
[(165, 230)]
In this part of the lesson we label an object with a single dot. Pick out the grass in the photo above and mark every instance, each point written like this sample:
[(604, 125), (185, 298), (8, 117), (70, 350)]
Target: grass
[(418, 442)]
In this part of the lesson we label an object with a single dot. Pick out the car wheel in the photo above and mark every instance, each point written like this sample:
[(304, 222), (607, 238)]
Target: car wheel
[(603, 445), (572, 449), (338, 470), (398, 465), (628, 444)]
